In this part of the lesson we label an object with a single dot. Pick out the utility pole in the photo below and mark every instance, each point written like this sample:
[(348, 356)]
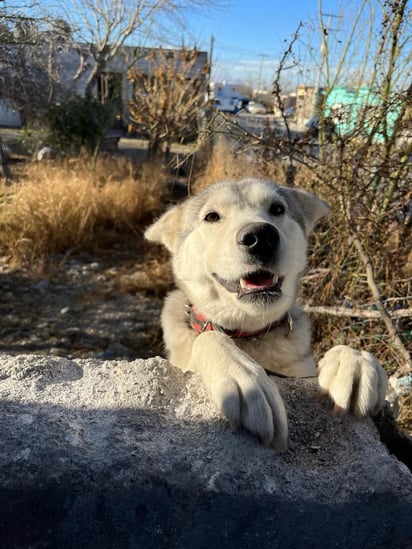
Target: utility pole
[(263, 56), (209, 72)]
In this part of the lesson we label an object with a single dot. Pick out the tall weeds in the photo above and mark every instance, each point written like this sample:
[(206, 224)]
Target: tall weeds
[(66, 206)]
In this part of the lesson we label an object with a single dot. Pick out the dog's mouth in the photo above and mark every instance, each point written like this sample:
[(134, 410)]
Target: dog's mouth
[(259, 282)]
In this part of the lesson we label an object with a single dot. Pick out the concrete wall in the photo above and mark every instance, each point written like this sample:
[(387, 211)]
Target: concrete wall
[(117, 454)]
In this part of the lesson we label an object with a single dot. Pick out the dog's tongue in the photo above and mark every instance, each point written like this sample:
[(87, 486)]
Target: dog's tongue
[(257, 281)]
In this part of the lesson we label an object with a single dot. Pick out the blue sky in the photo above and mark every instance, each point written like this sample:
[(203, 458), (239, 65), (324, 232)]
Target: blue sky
[(250, 35)]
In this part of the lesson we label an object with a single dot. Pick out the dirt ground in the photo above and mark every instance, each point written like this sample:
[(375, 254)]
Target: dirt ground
[(88, 306)]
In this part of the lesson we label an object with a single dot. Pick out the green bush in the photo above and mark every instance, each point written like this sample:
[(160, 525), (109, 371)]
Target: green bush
[(78, 124)]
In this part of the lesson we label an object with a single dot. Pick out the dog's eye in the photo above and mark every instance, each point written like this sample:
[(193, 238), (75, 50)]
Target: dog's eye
[(212, 217), (277, 209)]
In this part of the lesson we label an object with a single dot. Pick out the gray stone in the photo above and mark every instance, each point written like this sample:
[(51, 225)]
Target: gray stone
[(117, 454)]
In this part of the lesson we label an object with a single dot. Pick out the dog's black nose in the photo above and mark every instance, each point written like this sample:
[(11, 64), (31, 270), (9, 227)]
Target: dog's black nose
[(259, 239)]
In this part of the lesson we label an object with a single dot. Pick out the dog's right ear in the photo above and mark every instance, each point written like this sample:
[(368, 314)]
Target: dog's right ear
[(166, 230)]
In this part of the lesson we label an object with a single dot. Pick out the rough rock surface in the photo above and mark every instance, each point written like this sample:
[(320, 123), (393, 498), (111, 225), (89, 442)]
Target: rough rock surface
[(117, 454)]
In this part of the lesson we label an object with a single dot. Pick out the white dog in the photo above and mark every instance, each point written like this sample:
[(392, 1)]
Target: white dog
[(238, 251)]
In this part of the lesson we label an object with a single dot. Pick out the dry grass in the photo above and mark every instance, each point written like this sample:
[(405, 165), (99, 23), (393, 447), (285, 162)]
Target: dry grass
[(339, 279), (226, 162), (405, 415), (64, 206)]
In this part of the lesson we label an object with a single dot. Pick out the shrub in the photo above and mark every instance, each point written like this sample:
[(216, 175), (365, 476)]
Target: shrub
[(78, 124)]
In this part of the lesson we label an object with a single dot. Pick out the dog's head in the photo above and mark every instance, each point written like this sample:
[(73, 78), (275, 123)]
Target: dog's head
[(238, 248)]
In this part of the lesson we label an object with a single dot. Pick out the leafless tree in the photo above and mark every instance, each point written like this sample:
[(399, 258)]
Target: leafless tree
[(97, 30), (32, 36), (169, 91), (105, 26), (30, 44), (23, 82)]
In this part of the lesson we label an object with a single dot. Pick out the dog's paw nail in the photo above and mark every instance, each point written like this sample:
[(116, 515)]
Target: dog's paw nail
[(278, 445), (323, 396), (338, 410)]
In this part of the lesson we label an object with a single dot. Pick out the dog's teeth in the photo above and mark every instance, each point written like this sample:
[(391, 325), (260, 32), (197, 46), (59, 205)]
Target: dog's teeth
[(275, 279), (243, 283)]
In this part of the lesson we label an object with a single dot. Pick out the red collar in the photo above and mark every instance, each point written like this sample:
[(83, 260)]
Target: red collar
[(201, 324)]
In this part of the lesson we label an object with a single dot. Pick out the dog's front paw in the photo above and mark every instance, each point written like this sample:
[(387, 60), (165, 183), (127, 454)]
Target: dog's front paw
[(353, 379), (249, 398), (240, 387)]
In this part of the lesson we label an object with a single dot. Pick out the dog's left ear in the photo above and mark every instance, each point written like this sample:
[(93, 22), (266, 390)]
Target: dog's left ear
[(306, 206), (166, 230)]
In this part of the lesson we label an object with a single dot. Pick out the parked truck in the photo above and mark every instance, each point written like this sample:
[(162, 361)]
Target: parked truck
[(228, 97)]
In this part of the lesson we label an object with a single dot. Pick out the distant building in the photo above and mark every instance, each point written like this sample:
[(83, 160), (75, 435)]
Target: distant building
[(300, 104), (72, 66), (355, 110), (306, 103), (347, 109)]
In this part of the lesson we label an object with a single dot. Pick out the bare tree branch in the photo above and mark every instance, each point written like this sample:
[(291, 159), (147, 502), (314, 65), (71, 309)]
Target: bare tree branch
[(393, 334), (344, 312)]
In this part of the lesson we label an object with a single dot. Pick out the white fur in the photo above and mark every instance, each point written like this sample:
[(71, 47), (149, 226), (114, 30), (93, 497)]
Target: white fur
[(234, 369)]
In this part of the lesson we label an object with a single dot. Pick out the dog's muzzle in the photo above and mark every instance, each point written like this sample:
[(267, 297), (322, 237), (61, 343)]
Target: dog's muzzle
[(260, 241)]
